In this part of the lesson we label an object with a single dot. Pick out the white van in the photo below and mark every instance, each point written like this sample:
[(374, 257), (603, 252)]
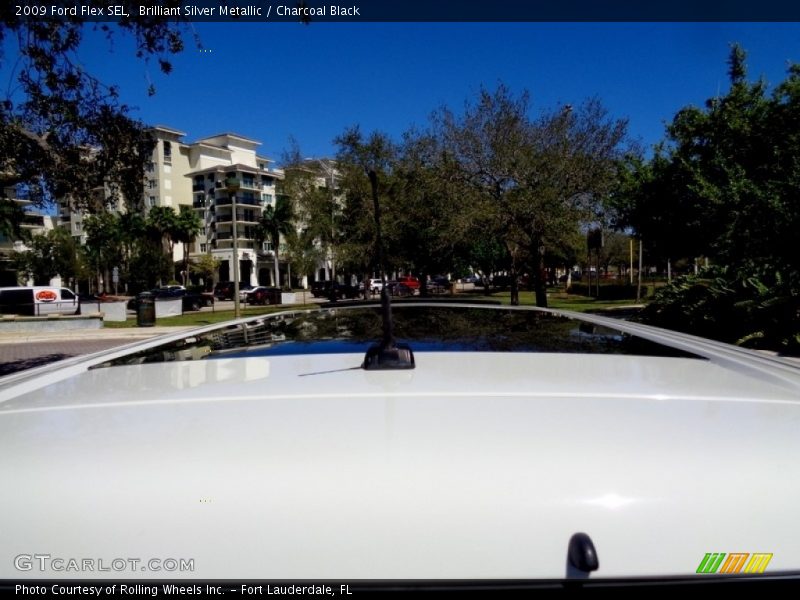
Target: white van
[(38, 301)]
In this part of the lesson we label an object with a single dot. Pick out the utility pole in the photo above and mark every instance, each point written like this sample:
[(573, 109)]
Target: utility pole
[(639, 285), (232, 184)]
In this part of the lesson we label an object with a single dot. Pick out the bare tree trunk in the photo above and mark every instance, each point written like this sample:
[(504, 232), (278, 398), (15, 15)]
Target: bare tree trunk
[(276, 266), (514, 286), (639, 284), (536, 250), (186, 264), (540, 281)]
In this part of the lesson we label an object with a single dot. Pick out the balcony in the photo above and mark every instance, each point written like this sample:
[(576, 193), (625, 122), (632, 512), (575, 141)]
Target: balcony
[(223, 243), (241, 236), (33, 221), (244, 183), (239, 201), (240, 218), (199, 187), (199, 204)]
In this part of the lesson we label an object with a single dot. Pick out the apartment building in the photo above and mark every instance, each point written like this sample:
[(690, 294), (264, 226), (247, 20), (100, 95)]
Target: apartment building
[(326, 177), (209, 175), (34, 222)]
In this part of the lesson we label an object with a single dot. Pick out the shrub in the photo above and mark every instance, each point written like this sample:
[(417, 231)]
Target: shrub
[(757, 311)]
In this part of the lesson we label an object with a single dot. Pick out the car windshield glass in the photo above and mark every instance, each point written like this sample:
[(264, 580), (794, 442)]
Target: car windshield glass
[(426, 329)]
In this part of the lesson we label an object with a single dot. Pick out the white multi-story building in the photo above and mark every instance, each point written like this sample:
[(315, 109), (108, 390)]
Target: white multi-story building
[(207, 175), (202, 175), (326, 177)]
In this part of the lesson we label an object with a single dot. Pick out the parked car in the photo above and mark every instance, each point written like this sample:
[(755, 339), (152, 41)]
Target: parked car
[(375, 286), (325, 289), (520, 445), (409, 281), (39, 301), (501, 281), (224, 289), (191, 301), (438, 285), (576, 276), (257, 295), (396, 288)]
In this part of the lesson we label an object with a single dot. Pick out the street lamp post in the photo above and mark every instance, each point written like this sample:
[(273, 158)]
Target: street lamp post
[(232, 183)]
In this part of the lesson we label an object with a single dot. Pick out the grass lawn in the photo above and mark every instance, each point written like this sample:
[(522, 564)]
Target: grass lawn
[(555, 299)]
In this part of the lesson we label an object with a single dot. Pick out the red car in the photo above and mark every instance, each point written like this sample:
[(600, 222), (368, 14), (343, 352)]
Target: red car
[(409, 281)]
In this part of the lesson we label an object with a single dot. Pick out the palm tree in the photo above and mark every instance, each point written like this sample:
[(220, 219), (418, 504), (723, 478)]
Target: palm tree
[(161, 225), (276, 221), (103, 247), (187, 225)]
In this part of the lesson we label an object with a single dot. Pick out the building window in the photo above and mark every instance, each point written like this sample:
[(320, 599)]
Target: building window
[(151, 201), (167, 153), (150, 167), (152, 184), (267, 198), (203, 247)]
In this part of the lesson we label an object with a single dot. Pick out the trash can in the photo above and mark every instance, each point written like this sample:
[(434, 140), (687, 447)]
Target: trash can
[(274, 295), (145, 310)]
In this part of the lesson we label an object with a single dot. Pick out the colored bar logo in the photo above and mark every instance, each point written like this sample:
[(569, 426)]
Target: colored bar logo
[(736, 562)]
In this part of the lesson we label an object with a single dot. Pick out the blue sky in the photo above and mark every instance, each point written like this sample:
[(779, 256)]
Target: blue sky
[(273, 81)]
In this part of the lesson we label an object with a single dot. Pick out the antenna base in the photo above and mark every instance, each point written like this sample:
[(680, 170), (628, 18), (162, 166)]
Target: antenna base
[(388, 357)]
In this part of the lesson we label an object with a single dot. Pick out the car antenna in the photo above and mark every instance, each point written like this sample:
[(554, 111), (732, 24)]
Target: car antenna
[(387, 354)]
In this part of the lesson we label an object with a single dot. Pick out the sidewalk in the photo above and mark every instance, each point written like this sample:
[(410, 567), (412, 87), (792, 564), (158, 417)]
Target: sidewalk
[(123, 333)]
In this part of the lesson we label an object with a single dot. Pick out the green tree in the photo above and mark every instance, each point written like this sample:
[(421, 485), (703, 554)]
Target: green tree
[(529, 182), (359, 158), (162, 223), (422, 213), (317, 203), (207, 267), (11, 216), (277, 221), (186, 228), (49, 255), (104, 246), (304, 254), (724, 185), (63, 132)]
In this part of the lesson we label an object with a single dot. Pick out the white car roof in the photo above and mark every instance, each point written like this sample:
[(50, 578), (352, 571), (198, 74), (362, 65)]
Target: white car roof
[(473, 465)]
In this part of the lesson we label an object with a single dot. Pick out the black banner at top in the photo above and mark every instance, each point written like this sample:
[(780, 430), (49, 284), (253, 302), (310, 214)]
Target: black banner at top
[(408, 10)]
